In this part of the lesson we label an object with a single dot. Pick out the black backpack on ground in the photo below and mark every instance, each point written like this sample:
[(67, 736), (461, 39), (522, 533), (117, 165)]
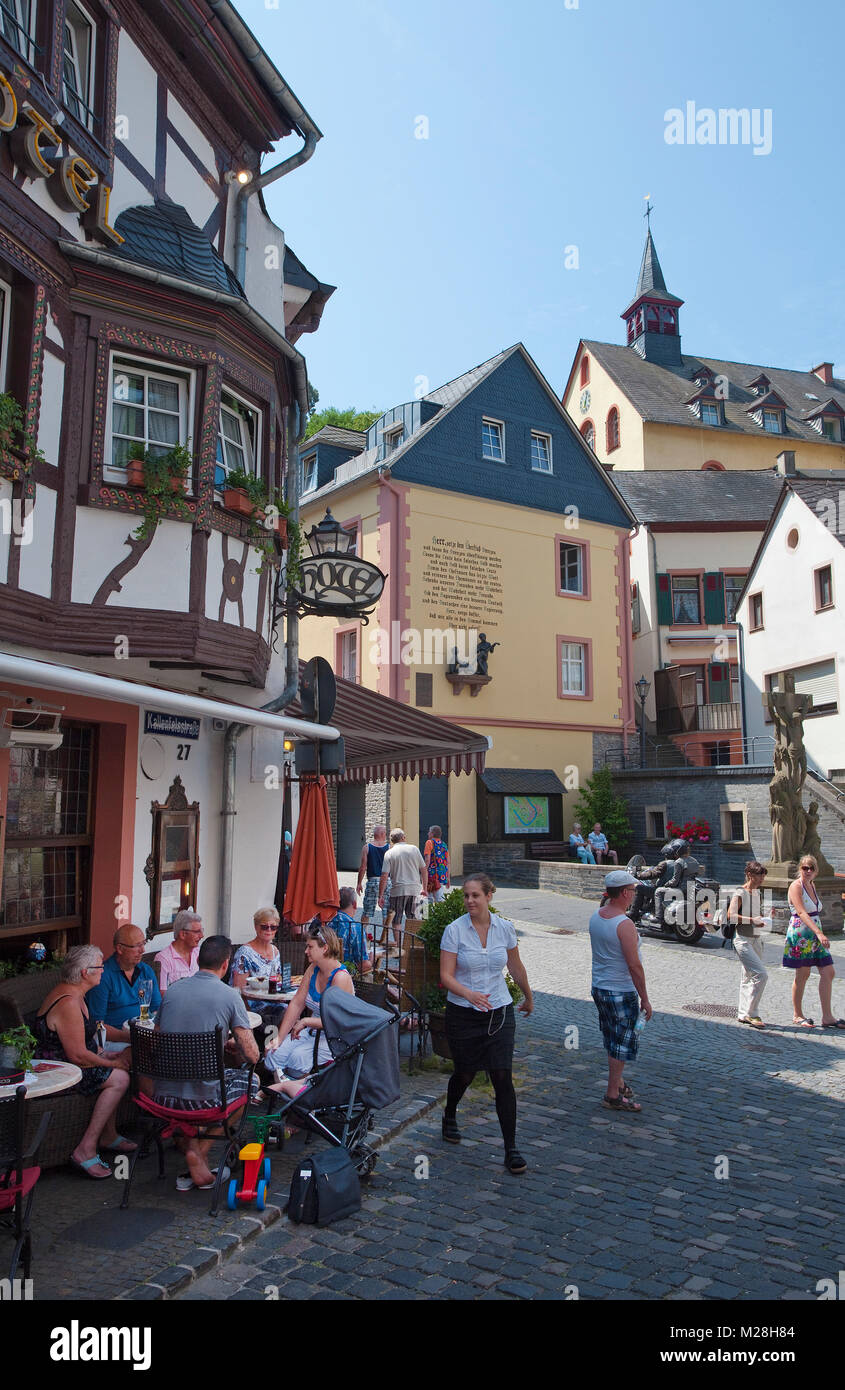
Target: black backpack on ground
[(325, 1187)]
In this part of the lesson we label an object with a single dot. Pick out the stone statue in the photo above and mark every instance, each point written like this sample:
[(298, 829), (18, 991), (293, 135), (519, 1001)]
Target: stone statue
[(788, 817), (812, 843), (482, 653), (456, 666)]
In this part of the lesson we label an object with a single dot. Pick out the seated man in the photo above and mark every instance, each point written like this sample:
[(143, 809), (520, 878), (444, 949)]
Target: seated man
[(597, 840), (197, 1004), (576, 842), (351, 934), (180, 958), (115, 999), (684, 870)]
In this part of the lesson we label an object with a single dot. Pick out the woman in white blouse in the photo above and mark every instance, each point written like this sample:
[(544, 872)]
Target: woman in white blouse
[(474, 952)]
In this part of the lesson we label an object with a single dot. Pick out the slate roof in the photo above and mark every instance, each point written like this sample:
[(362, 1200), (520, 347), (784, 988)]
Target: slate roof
[(678, 495), (658, 393), (454, 390), (650, 280), (162, 235), (337, 435), (522, 781), (818, 496)]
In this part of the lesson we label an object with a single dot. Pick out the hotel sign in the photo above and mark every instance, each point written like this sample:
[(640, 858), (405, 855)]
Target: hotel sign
[(339, 585), (71, 180)]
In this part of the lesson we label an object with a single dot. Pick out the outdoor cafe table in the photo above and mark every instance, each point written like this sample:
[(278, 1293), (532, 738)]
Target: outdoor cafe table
[(252, 1018), (252, 991), (50, 1078)]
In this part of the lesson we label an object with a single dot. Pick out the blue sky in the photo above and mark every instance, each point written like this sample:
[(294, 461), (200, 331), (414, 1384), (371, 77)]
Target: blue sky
[(546, 129)]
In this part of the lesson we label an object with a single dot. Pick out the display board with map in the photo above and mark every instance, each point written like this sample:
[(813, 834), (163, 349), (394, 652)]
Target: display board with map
[(526, 815)]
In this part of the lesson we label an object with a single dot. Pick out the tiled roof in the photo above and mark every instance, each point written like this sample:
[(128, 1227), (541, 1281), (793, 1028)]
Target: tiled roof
[(679, 495), (522, 781), (650, 280), (163, 236), (822, 497), (658, 393), (337, 435), (453, 390)]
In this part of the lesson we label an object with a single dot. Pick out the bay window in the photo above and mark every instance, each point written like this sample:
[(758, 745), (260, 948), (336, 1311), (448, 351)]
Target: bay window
[(149, 410)]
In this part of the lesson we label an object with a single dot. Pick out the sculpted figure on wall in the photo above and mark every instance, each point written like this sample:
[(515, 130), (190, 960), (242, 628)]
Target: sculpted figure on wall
[(788, 817)]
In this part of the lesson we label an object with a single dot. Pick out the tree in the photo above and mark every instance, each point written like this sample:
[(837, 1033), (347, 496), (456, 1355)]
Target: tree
[(350, 419), (313, 397), (598, 803)]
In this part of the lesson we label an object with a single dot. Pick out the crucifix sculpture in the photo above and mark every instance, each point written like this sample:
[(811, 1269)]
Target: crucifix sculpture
[(794, 830)]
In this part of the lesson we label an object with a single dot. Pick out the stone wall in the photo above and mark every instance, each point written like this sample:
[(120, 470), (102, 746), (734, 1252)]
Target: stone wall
[(503, 862), (377, 805), (607, 748)]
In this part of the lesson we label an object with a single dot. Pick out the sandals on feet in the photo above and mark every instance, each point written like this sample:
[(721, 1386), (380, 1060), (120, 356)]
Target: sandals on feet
[(803, 1023), (625, 1090), (86, 1164), (121, 1145), (621, 1102), (514, 1162), (835, 1023), (753, 1022)]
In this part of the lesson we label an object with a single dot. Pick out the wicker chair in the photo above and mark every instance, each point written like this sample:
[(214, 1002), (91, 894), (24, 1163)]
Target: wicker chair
[(184, 1057)]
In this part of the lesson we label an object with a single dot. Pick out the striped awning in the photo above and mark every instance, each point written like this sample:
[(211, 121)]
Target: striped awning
[(385, 739)]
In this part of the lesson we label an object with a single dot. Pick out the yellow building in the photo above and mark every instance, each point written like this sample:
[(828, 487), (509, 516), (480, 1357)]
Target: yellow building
[(646, 405), (495, 525)]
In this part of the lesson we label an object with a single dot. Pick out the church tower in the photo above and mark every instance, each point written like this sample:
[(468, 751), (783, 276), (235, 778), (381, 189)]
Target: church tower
[(652, 315)]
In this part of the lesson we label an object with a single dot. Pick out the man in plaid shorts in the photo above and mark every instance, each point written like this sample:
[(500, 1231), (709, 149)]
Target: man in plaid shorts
[(372, 858), (619, 987)]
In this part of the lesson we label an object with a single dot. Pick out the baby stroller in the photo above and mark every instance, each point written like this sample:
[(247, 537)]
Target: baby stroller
[(341, 1095)]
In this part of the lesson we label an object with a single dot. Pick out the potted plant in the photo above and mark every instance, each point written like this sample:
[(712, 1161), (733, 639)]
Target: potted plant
[(13, 434), (17, 1049), (431, 932), (135, 465), (245, 494), (164, 480)]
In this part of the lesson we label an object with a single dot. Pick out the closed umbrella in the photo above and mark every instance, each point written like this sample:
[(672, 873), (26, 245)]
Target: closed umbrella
[(312, 880)]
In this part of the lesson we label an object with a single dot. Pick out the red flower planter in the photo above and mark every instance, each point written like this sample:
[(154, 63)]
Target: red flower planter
[(234, 500)]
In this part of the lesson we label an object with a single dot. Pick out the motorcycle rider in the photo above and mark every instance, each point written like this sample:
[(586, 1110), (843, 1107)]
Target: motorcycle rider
[(662, 873), (684, 870)]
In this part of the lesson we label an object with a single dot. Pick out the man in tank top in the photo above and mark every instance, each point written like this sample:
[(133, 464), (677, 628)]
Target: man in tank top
[(618, 985), (372, 858)]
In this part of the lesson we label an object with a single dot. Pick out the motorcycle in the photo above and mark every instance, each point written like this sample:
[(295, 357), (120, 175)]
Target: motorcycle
[(689, 911)]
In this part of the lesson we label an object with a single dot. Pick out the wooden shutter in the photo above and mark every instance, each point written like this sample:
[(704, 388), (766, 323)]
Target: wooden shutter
[(720, 683), (664, 600), (714, 598)]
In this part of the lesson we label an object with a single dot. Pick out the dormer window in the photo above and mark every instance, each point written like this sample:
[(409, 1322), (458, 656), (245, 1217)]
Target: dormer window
[(773, 421), (393, 438), (829, 420), (309, 473), (704, 404), (710, 413), (769, 413), (760, 385)]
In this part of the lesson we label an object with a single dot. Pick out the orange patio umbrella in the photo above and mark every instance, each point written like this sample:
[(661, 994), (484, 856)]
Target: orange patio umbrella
[(312, 881)]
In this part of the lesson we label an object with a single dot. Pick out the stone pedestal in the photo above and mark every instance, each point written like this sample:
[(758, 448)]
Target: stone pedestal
[(829, 890)]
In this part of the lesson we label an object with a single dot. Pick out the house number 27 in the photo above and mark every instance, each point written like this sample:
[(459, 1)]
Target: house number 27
[(183, 751)]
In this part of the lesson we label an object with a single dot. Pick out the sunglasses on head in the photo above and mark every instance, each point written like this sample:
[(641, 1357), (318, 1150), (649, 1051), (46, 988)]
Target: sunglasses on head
[(316, 935)]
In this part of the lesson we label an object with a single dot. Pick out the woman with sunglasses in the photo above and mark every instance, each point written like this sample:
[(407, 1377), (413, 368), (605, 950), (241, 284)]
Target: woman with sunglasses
[(260, 956), (806, 946), (294, 1048), (744, 914)]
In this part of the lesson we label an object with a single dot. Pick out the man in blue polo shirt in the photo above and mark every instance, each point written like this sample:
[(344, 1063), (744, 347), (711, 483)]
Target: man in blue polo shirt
[(352, 934), (115, 999)]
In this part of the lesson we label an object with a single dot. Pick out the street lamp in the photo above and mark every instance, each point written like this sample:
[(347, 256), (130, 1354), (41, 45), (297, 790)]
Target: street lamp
[(642, 687), (331, 538)]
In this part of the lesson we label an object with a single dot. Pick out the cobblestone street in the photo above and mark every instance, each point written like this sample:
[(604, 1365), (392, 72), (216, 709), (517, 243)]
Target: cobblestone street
[(728, 1185)]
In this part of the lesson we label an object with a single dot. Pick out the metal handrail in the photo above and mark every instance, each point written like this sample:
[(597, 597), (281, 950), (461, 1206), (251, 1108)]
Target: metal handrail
[(826, 782), (662, 756)]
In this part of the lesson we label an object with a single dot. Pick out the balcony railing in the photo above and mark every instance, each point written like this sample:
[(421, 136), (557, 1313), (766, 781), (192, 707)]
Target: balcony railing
[(692, 719)]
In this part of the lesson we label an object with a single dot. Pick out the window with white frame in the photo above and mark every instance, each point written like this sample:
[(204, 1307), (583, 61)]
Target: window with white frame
[(773, 421), (393, 438), (149, 409), (348, 654), (493, 440), (309, 473), (710, 414), (238, 435), (571, 568), (5, 315), (541, 452), (17, 25), (573, 668), (78, 64)]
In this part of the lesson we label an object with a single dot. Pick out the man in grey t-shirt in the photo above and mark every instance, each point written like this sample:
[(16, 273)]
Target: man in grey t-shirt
[(405, 867), (198, 1004)]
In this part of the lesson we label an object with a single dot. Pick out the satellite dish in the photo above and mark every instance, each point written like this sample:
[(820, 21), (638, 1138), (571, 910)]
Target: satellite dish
[(318, 690)]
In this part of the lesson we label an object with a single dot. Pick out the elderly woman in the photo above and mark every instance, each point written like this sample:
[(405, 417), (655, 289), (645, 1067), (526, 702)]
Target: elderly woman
[(577, 842), (260, 956), (294, 1051), (66, 1033), (806, 945), (744, 913), (179, 959)]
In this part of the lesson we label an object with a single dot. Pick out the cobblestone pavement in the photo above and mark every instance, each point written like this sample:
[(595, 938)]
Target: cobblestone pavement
[(727, 1186)]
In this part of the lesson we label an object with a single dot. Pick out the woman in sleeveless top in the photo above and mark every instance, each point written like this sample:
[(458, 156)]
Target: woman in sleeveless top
[(293, 1050), (66, 1033), (806, 945)]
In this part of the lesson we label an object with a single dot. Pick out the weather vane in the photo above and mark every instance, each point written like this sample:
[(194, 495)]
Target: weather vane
[(648, 210)]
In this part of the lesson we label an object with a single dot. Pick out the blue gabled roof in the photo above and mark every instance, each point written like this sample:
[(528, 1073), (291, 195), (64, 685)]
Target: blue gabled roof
[(162, 235)]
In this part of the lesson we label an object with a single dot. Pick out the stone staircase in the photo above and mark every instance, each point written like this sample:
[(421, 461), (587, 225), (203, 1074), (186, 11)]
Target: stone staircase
[(831, 820)]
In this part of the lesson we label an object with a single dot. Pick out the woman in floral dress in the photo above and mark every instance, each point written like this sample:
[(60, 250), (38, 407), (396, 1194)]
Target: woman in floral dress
[(807, 946)]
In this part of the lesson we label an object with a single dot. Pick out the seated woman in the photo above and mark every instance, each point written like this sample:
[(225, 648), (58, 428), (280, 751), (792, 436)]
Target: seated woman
[(65, 1033), (294, 1051), (260, 956), (582, 850)]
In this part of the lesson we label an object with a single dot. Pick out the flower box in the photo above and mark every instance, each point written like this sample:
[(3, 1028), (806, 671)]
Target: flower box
[(135, 472), (235, 500)]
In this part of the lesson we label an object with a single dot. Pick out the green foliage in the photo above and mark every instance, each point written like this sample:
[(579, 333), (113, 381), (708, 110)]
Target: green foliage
[(11, 969), (242, 481), (159, 497), (435, 1000), (13, 434), (350, 419), (23, 1042), (439, 916), (513, 989), (313, 397), (597, 802)]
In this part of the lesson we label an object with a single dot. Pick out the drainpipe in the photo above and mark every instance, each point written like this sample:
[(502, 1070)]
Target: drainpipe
[(234, 731)]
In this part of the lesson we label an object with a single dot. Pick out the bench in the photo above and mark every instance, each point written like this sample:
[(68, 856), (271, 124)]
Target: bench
[(550, 849)]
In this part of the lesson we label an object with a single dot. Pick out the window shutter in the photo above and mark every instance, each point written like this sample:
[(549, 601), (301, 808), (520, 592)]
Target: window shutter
[(714, 598), (818, 680), (720, 683), (664, 601)]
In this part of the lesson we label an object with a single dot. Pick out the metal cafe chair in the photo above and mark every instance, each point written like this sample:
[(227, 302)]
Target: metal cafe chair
[(17, 1180)]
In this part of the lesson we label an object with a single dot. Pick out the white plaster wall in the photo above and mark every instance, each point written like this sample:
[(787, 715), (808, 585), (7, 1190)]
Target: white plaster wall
[(265, 261), (50, 417), (40, 191), (36, 570), (128, 192), (214, 582), (160, 580), (192, 134), (6, 527), (136, 101), (257, 824), (706, 550), (51, 330), (793, 633), (187, 187)]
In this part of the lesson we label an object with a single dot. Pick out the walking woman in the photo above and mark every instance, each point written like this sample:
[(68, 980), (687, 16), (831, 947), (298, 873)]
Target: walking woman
[(474, 952), (806, 946), (748, 946)]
